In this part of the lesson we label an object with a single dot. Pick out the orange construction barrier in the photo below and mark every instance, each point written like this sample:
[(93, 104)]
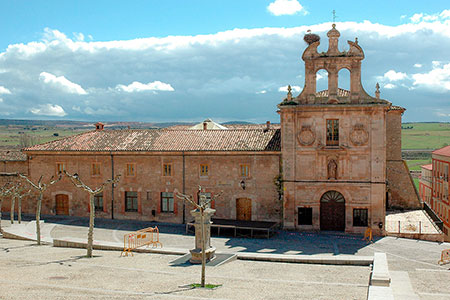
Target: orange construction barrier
[(445, 257), (143, 237), (368, 235)]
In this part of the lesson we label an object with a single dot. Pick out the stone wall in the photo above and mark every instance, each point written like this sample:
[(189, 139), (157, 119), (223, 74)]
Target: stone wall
[(401, 190), (149, 182)]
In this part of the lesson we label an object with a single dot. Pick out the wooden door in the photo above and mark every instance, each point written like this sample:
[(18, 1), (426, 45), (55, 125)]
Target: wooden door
[(244, 209), (62, 204), (332, 211)]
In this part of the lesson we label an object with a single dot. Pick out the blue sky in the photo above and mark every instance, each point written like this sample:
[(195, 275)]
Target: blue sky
[(228, 60)]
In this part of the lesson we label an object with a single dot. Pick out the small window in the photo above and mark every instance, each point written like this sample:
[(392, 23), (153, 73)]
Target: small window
[(95, 170), (60, 167), (98, 201), (167, 169), (304, 216), (131, 201), (149, 195), (204, 170), (167, 204), (333, 132), (360, 217), (206, 197), (244, 170), (131, 169)]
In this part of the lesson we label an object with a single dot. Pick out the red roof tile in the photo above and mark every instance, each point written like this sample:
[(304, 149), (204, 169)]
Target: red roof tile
[(12, 155), (428, 167), (443, 151), (167, 140)]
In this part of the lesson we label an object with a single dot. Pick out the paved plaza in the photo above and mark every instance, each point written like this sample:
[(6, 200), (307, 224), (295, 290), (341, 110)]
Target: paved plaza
[(63, 273)]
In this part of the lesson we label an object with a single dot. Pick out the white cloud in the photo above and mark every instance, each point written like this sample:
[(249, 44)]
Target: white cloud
[(1, 100), (285, 7), (391, 75), (62, 83), (262, 92), (4, 90), (76, 108), (421, 17), (295, 88), (438, 78), (49, 110), (389, 86), (140, 87), (417, 65)]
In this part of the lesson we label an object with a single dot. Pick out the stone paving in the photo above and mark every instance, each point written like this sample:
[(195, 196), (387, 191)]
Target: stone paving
[(415, 258), (413, 221)]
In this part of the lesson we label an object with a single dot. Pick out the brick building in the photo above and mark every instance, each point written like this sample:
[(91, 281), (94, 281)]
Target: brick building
[(335, 163), (434, 186)]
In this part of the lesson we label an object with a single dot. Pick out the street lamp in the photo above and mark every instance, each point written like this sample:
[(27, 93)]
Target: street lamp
[(242, 183)]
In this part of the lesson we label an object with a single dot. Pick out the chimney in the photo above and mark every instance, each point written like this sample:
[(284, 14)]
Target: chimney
[(99, 126), (267, 125), (205, 125)]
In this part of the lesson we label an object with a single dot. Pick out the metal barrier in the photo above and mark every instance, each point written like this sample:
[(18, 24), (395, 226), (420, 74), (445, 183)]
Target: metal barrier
[(445, 257), (368, 235), (433, 216), (143, 237)]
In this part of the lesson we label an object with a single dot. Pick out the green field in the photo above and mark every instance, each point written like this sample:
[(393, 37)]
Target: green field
[(414, 165), (15, 136), (425, 135)]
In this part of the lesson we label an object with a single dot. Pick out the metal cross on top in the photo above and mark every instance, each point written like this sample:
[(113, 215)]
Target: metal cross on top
[(334, 16)]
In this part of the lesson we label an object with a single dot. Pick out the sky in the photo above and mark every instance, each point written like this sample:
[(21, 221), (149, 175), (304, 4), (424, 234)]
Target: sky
[(178, 60)]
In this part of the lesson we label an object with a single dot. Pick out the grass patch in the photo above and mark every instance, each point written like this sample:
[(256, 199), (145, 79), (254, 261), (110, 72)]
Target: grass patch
[(416, 183), (425, 135), (207, 286), (414, 165)]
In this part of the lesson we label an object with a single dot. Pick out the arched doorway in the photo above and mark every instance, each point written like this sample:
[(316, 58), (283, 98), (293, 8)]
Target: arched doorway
[(332, 211), (62, 204)]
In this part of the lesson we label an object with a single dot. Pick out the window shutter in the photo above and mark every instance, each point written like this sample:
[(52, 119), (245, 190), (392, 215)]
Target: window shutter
[(123, 203), (139, 203), (175, 206)]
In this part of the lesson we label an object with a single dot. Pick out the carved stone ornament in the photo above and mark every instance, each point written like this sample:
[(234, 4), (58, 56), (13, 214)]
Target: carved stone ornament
[(359, 135), (306, 136)]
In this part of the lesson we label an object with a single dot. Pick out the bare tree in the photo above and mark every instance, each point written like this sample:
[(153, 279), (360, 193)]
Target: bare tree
[(18, 193), (92, 192), (26, 140), (5, 191), (204, 204), (41, 187)]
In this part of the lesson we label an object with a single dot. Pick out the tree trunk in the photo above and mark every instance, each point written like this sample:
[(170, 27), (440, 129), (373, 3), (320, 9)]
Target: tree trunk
[(19, 210), (91, 225), (38, 216), (203, 248), (1, 202), (13, 203)]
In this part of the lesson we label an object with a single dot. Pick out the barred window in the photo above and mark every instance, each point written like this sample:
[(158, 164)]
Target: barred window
[(360, 217), (333, 132), (98, 201), (167, 202), (131, 201)]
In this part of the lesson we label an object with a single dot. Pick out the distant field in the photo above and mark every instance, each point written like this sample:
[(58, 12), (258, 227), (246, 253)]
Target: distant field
[(414, 165), (11, 136), (425, 135)]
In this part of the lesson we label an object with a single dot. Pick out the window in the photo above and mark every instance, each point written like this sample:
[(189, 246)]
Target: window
[(167, 204), (131, 201), (360, 217), (131, 169), (98, 201), (60, 167), (304, 216), (206, 196), (167, 169), (204, 170), (95, 170), (244, 170), (333, 132)]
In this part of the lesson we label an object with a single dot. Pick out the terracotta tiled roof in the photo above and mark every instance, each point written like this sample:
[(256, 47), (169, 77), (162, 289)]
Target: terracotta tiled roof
[(395, 107), (428, 167), (340, 93), (12, 155), (167, 140), (443, 151)]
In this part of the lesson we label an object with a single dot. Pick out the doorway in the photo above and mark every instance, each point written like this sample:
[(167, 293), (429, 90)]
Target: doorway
[(62, 204), (332, 211), (244, 209)]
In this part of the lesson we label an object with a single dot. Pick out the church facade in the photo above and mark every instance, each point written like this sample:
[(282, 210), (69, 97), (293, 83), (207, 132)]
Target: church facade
[(333, 164)]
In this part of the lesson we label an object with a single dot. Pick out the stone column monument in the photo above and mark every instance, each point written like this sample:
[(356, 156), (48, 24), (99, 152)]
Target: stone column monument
[(202, 222)]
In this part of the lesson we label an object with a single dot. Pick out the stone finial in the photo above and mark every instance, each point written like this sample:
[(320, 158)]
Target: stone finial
[(289, 93), (356, 40), (377, 91)]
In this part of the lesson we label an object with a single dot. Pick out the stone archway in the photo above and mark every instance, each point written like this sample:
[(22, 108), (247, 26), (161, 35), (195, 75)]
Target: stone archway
[(332, 211)]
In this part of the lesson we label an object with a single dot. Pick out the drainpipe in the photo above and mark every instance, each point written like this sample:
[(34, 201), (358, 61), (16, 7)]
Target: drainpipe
[(112, 186), (184, 188)]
